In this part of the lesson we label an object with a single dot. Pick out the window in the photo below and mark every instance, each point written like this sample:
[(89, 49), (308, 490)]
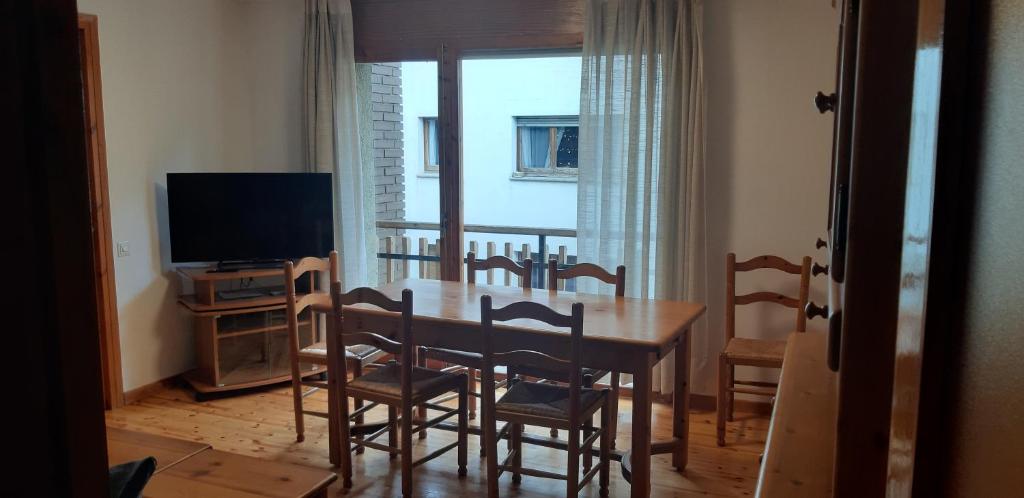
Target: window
[(430, 144), (547, 145)]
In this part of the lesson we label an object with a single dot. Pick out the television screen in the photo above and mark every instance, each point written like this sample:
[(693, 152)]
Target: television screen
[(249, 216)]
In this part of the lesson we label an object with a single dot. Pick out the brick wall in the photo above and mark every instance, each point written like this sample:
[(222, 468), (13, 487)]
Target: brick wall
[(388, 146), (388, 143)]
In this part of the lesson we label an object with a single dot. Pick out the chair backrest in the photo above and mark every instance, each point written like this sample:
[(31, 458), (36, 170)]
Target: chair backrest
[(587, 270), (351, 332), (762, 262), (295, 304), (571, 368), (524, 271)]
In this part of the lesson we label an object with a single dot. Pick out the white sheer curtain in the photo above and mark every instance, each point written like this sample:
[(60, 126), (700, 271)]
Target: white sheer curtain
[(332, 135), (641, 171)]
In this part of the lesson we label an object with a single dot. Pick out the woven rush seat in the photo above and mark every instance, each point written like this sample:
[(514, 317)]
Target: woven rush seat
[(546, 400), (426, 383), (760, 350)]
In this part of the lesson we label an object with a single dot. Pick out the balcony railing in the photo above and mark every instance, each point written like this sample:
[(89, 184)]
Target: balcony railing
[(396, 252)]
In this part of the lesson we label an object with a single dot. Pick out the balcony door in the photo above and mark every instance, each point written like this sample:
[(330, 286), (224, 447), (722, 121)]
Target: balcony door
[(471, 177)]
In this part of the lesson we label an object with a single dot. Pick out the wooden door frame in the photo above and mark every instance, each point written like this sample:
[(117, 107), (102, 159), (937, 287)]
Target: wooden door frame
[(103, 261), (934, 275)]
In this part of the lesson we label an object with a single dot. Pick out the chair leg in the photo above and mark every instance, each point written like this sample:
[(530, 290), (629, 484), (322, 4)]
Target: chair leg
[(463, 430), (392, 430), (722, 401), (572, 484), (510, 374), (490, 444), (406, 448), (473, 389), (516, 438), (613, 420), (300, 428), (356, 367), (421, 410), (345, 444), (588, 456), (607, 438), (730, 396), (333, 437)]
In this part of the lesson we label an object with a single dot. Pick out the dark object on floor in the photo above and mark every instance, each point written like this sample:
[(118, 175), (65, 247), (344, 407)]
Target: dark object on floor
[(128, 479)]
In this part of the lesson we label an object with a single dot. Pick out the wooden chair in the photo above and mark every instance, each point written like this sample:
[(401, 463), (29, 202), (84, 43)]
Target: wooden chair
[(399, 385), (316, 354), (590, 375), (569, 407), (754, 352), (470, 362)]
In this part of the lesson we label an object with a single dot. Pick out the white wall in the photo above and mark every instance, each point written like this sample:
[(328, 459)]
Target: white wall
[(495, 91), (188, 85), (768, 155)]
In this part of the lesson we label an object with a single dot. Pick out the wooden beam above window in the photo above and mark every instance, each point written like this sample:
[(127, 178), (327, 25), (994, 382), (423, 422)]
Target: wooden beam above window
[(409, 30)]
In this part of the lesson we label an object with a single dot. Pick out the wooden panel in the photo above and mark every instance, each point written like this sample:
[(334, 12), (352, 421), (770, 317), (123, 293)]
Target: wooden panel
[(884, 88), (450, 170), (125, 446), (226, 475), (405, 30), (96, 148), (801, 439), (936, 199)]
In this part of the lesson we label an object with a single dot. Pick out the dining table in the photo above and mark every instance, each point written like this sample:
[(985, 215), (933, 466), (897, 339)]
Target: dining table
[(620, 334)]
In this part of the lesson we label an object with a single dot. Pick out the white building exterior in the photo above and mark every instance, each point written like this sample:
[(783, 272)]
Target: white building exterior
[(494, 93)]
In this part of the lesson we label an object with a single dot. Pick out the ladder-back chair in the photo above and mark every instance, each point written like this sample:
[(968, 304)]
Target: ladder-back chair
[(314, 353), (569, 407), (618, 279), (471, 362), (754, 352), (400, 385)]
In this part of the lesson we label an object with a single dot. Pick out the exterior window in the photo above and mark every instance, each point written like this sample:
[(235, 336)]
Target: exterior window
[(547, 146), (430, 144)]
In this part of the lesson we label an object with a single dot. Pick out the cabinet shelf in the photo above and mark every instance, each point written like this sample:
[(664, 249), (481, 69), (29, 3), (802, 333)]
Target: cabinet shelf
[(260, 330)]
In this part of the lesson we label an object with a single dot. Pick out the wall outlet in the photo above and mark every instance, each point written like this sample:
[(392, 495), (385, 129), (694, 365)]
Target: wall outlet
[(123, 250)]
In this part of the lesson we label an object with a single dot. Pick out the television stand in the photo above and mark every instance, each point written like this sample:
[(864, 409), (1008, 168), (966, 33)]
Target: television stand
[(242, 342), (236, 266)]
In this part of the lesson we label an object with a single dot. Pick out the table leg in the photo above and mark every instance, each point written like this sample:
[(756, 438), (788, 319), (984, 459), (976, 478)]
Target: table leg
[(681, 402), (640, 484)]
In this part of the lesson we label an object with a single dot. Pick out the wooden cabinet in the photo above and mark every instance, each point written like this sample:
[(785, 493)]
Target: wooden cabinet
[(242, 339)]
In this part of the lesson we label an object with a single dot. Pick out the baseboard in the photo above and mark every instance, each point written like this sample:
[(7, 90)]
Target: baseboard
[(147, 390)]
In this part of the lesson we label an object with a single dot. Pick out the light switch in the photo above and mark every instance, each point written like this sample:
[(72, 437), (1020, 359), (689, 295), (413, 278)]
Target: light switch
[(123, 249)]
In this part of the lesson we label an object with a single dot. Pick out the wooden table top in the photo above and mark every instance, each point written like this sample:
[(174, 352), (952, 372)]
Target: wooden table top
[(799, 455), (638, 322), (126, 446), (227, 475)]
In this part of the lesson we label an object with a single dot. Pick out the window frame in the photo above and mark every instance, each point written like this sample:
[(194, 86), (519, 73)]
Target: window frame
[(552, 123), (427, 166)]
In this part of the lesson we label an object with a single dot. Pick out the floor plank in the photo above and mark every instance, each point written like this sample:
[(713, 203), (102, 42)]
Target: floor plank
[(261, 425)]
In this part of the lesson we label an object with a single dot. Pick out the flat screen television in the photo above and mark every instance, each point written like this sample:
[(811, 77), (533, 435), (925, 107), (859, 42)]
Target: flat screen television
[(249, 217)]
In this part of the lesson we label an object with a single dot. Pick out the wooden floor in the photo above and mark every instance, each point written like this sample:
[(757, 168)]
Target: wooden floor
[(261, 425)]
